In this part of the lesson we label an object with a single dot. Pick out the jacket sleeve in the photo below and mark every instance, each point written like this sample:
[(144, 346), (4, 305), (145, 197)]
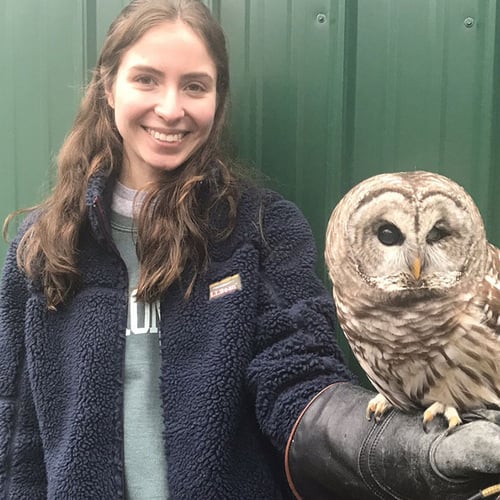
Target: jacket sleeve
[(22, 471), (297, 353)]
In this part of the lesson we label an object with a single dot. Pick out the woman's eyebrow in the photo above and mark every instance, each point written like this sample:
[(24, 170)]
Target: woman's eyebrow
[(147, 69), (150, 69), (198, 74)]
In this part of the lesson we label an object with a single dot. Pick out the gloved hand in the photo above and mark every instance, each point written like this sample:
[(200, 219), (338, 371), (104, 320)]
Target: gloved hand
[(334, 452)]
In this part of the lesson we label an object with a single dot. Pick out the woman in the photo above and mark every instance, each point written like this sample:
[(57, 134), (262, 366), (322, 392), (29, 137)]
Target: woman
[(161, 325)]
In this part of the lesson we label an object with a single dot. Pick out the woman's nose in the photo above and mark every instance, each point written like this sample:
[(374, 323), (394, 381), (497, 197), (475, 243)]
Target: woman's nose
[(170, 106)]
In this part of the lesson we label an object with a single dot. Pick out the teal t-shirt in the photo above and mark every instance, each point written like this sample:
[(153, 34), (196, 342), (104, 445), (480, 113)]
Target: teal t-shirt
[(145, 466)]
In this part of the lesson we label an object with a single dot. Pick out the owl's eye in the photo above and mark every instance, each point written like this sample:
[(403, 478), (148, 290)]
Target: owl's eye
[(436, 234), (390, 235)]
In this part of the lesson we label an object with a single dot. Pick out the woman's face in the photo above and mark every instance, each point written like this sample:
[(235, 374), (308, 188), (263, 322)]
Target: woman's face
[(164, 100)]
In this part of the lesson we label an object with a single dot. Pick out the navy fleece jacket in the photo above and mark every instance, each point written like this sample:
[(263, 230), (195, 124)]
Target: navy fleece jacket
[(236, 370)]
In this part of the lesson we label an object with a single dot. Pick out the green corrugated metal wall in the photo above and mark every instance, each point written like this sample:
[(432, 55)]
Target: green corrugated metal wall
[(41, 72), (325, 92)]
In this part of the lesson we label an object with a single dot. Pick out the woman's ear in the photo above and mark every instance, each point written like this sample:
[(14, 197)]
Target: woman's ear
[(110, 98), (108, 90)]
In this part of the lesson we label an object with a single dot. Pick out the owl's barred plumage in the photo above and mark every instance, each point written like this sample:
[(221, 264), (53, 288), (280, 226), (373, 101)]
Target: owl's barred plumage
[(417, 290)]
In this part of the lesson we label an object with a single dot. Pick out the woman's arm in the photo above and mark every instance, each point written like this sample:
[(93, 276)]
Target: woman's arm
[(22, 470), (297, 352)]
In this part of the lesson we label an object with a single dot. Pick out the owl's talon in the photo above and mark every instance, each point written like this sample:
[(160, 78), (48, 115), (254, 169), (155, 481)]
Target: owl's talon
[(449, 412), (452, 417), (377, 407), (430, 413)]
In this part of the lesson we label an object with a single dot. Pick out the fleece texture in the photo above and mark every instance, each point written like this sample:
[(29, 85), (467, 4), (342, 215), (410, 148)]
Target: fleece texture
[(236, 370)]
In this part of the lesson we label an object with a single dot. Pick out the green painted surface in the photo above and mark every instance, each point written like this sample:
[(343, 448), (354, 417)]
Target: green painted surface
[(40, 81), (325, 92), (425, 91)]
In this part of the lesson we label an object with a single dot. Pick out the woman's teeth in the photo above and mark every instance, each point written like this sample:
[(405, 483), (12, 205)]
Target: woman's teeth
[(165, 137)]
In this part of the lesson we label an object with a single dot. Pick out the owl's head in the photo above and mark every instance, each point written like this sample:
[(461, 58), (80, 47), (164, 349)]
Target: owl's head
[(416, 233)]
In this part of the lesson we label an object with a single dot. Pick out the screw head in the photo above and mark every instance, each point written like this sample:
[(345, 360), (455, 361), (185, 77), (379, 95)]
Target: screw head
[(321, 18), (469, 22)]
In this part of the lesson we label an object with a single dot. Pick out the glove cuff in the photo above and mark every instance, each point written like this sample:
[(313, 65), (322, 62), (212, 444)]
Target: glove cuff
[(290, 442)]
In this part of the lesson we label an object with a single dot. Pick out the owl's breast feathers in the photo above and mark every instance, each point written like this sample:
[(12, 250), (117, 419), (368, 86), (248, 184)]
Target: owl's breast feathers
[(444, 350)]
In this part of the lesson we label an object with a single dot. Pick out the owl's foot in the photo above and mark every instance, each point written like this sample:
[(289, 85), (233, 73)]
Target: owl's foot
[(450, 413), (377, 406)]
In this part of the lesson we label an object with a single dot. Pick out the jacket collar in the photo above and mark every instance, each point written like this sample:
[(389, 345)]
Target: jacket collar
[(98, 201)]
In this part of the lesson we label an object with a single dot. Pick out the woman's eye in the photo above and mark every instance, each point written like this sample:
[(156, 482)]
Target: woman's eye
[(436, 234), (195, 88), (390, 235), (145, 80)]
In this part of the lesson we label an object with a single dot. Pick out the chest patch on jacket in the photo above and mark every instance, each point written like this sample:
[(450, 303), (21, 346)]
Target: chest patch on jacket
[(224, 287)]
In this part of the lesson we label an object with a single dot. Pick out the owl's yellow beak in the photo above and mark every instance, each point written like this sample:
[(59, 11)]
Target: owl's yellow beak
[(417, 268)]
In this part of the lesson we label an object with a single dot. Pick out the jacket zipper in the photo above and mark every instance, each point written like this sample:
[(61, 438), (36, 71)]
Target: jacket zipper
[(104, 226), (106, 230)]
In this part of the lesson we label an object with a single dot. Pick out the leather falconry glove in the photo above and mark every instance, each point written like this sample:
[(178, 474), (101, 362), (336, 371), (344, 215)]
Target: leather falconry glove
[(335, 452)]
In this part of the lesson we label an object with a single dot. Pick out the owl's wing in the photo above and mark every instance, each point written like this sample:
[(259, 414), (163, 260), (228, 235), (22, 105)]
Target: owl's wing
[(488, 295)]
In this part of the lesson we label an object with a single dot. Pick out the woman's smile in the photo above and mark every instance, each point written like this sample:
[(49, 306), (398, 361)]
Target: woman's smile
[(166, 137), (164, 98)]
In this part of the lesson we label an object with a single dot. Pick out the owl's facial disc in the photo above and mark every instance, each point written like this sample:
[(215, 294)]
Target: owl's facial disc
[(412, 234), (405, 245)]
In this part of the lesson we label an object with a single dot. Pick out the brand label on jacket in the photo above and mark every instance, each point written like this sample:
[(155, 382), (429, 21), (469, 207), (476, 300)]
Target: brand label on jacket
[(224, 287)]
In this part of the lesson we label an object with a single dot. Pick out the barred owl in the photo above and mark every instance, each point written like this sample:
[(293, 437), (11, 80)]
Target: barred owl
[(417, 290)]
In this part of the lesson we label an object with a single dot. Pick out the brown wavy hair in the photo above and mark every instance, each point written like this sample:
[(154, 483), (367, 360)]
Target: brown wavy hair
[(177, 209)]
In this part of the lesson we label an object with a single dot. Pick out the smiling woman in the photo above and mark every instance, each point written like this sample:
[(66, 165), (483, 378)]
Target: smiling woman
[(165, 347), (163, 333), (164, 101)]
